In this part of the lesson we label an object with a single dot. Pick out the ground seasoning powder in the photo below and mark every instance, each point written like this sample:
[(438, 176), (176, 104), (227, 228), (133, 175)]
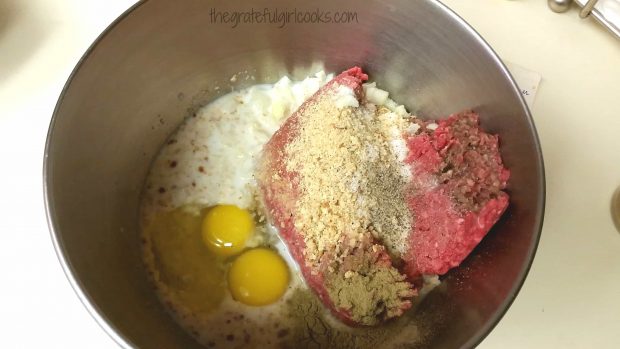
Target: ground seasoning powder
[(351, 205), (312, 327)]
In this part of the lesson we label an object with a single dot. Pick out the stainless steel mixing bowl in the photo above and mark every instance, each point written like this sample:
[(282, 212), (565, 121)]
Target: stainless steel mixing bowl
[(162, 59)]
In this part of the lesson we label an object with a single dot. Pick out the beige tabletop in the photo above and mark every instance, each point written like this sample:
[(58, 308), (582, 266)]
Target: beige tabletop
[(571, 298)]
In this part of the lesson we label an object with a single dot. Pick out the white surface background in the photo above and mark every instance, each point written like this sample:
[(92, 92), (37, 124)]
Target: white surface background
[(571, 298)]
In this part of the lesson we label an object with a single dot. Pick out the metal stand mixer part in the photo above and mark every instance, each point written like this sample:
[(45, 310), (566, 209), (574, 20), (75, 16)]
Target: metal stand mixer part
[(615, 208), (560, 6)]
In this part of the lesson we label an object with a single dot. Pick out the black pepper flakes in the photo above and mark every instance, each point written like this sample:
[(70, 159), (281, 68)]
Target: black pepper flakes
[(201, 169), (161, 190), (173, 164), (230, 337)]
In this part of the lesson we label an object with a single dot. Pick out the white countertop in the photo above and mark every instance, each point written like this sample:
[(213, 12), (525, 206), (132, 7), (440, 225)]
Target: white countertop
[(571, 298)]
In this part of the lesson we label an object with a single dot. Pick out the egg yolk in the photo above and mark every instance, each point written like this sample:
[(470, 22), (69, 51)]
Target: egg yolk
[(258, 277), (226, 228)]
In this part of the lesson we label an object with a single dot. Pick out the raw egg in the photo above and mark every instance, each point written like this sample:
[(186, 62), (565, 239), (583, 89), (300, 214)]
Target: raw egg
[(226, 228), (185, 268), (258, 277)]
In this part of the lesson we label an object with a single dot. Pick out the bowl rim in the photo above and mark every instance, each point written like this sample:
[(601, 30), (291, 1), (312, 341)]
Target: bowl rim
[(97, 314)]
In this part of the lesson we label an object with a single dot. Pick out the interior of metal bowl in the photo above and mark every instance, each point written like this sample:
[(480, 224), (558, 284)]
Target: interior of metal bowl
[(163, 59)]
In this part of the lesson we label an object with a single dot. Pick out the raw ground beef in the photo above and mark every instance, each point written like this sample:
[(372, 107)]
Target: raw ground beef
[(456, 192), (377, 290), (454, 197)]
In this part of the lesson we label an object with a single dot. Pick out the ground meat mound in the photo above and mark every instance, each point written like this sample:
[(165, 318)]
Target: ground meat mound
[(363, 232), (456, 195)]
